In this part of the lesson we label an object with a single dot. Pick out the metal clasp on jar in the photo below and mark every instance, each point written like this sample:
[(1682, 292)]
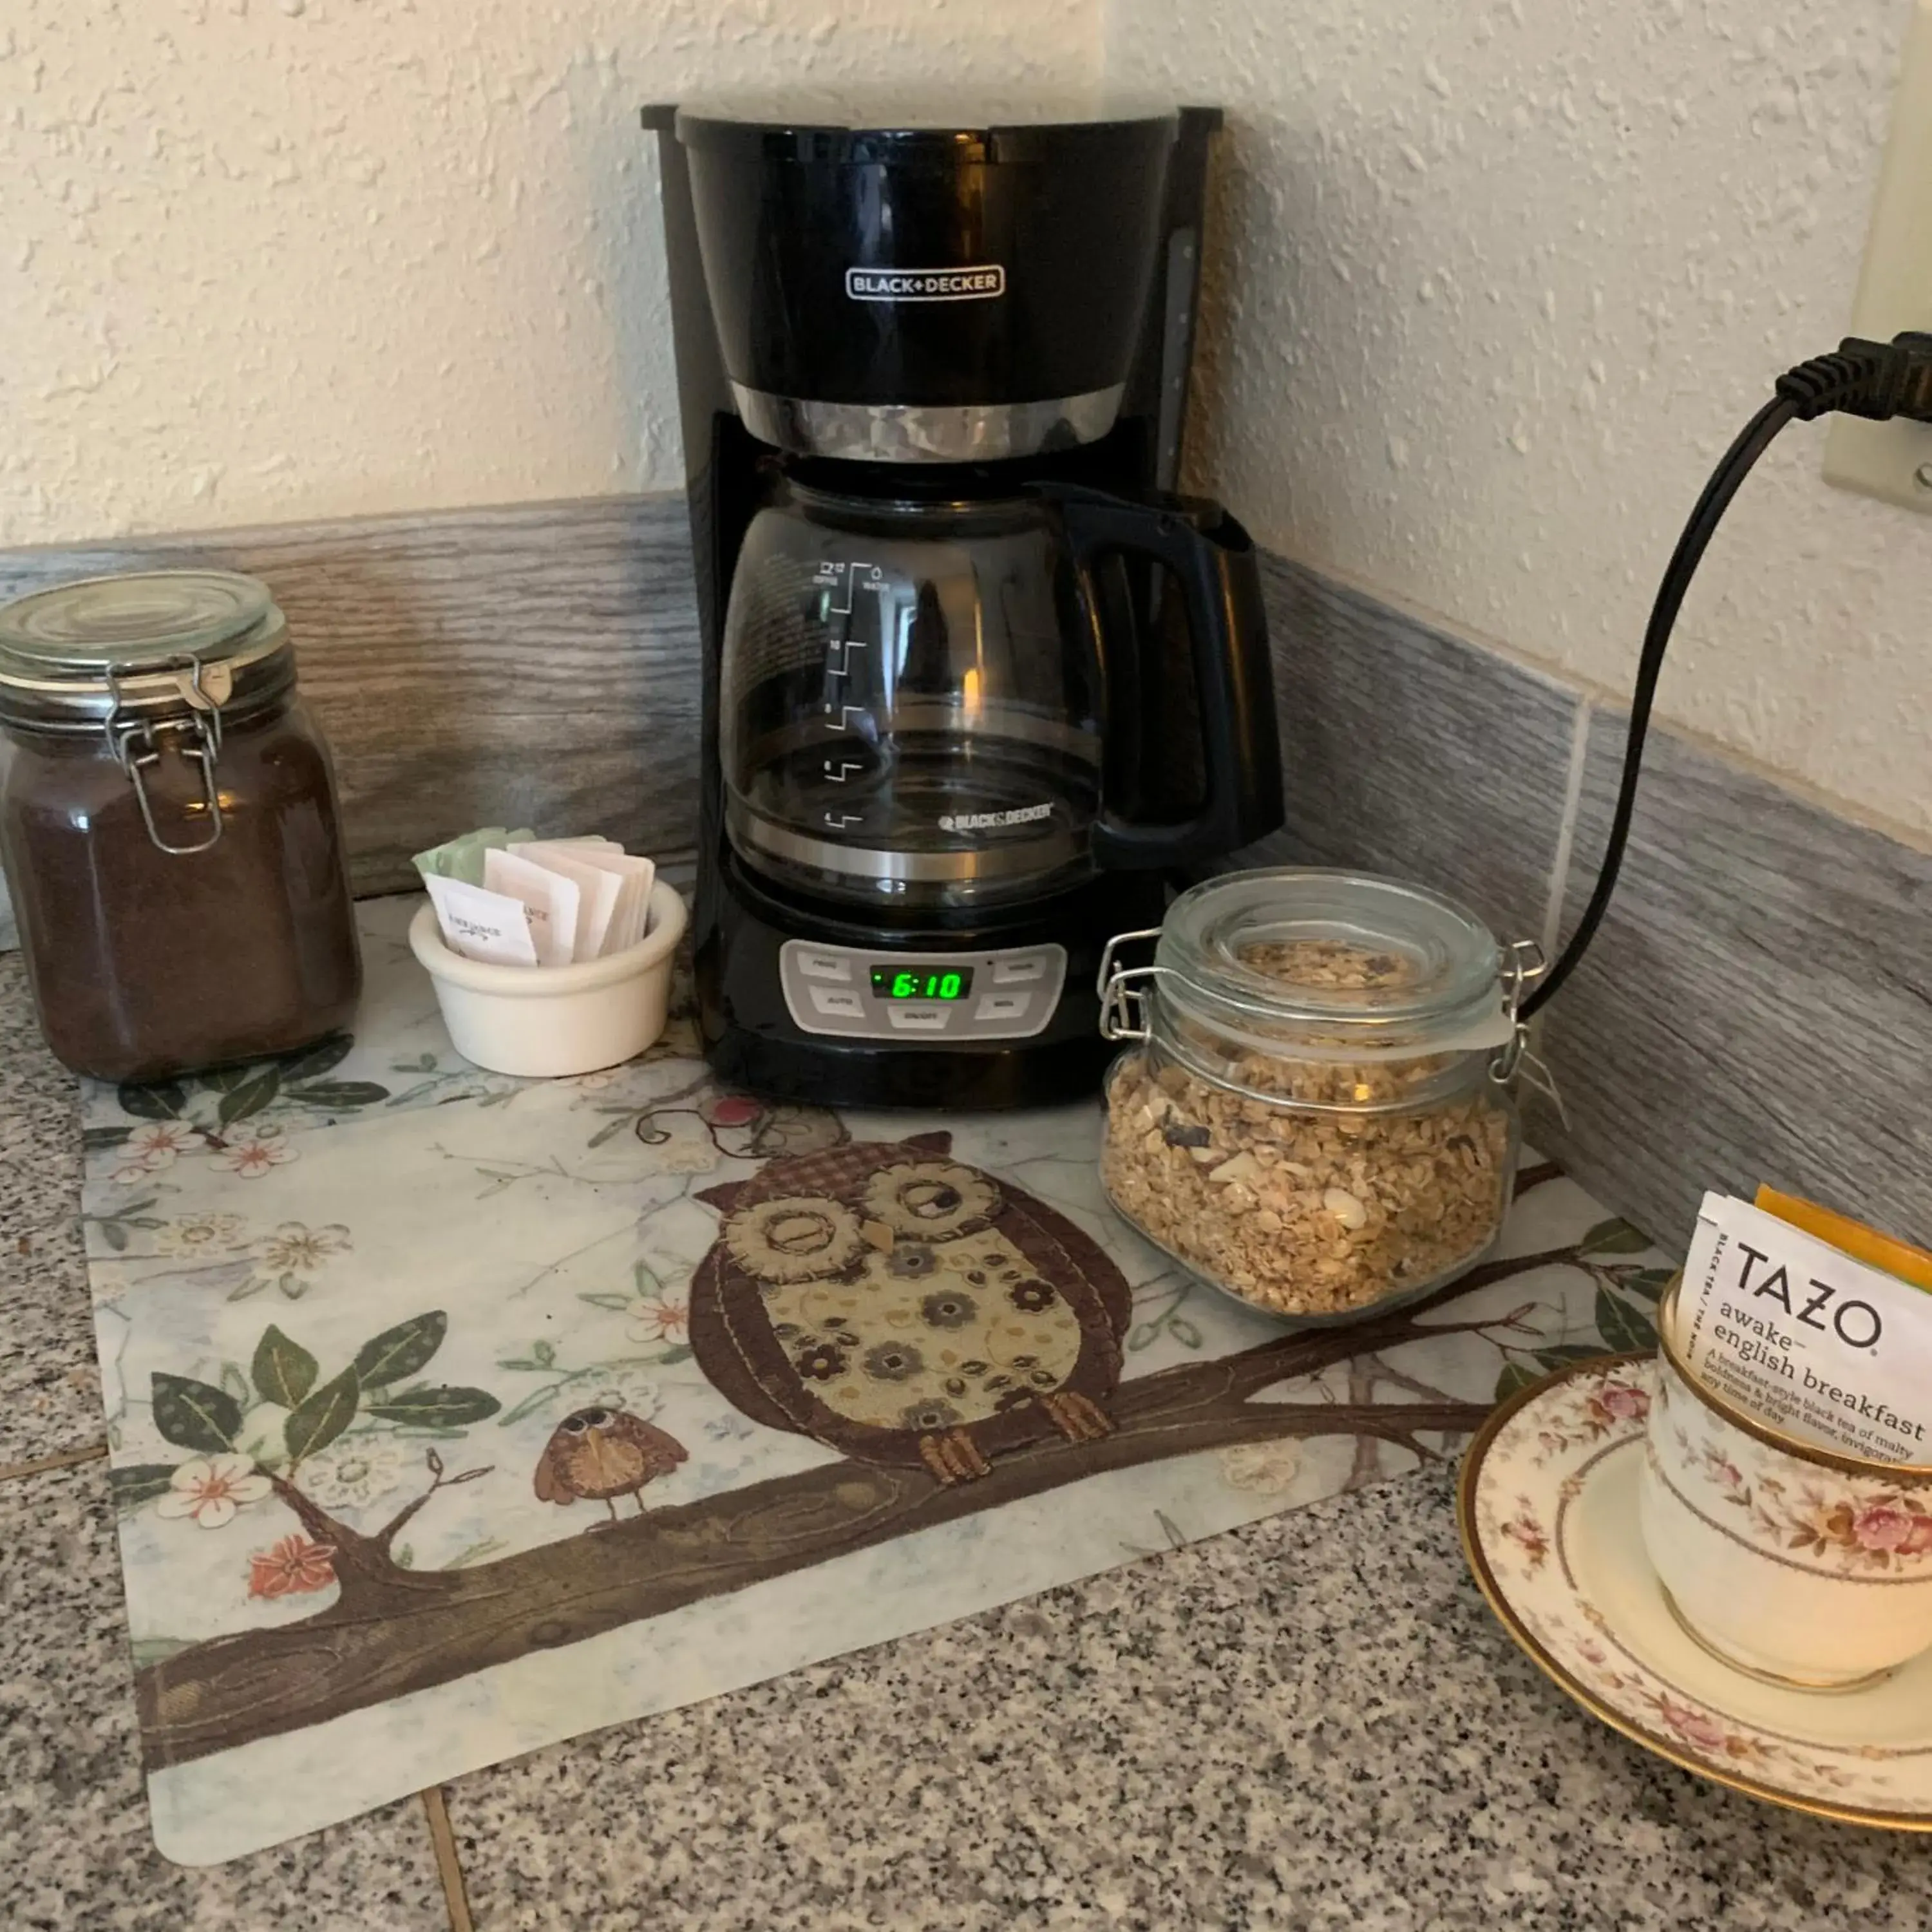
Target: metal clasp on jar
[(1121, 988), (134, 741), (1523, 964)]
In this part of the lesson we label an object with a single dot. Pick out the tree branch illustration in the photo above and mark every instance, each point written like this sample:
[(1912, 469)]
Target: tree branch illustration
[(392, 1631)]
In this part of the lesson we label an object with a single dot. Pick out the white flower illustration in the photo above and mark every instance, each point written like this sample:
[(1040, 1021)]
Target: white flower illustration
[(1265, 1469), (210, 1489), (254, 1157), (660, 1318), (157, 1144), (353, 1475), (200, 1234)]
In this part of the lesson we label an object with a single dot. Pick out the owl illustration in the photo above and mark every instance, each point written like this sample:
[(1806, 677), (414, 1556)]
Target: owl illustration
[(903, 1308), (604, 1454)]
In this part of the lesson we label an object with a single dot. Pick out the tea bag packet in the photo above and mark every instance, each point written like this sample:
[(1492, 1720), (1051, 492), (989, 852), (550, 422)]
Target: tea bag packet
[(598, 890), (462, 858), (635, 877), (1798, 1333), (551, 901), (480, 925)]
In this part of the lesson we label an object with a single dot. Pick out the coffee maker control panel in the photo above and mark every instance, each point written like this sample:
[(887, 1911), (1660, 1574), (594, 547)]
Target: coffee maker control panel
[(914, 998)]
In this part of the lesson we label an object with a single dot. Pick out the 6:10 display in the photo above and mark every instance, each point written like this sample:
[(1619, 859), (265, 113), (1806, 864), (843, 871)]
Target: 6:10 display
[(922, 982)]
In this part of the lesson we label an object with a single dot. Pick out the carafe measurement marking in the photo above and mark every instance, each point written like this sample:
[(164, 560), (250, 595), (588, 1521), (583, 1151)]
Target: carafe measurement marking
[(829, 574)]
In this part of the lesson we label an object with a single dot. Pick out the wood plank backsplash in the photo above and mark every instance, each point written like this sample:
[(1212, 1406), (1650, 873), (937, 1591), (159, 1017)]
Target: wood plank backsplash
[(534, 664)]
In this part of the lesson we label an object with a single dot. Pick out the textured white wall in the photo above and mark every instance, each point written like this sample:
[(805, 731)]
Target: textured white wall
[(1499, 279), (263, 259)]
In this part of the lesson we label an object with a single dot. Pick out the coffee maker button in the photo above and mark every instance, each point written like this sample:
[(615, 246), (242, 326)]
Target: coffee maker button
[(838, 1006), (1002, 1006), (921, 1019), (823, 966), (1011, 972)]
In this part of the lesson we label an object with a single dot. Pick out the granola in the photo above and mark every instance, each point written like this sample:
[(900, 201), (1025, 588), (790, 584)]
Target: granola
[(1304, 1212)]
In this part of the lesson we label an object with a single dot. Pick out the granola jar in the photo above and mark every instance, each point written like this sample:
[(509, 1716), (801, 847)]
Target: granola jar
[(1316, 1115), (168, 821)]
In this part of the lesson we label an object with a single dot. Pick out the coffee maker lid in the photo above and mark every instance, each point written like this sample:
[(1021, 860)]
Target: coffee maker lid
[(900, 129)]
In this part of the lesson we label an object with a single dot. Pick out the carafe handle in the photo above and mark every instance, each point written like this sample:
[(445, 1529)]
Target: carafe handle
[(1212, 558)]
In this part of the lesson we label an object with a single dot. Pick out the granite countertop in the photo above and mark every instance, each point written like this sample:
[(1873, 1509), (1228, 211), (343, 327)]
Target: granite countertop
[(1310, 1722)]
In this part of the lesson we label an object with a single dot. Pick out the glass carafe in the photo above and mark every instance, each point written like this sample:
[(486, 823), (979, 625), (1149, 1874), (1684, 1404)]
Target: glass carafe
[(918, 697)]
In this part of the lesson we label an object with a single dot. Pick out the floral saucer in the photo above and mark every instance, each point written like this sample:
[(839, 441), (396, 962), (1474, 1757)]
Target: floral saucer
[(1548, 1509)]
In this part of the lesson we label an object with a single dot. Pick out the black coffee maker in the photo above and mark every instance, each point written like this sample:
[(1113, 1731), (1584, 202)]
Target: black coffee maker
[(974, 687)]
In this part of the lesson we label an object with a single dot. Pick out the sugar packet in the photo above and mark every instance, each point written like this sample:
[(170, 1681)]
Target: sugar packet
[(1800, 1335), (480, 925), (598, 889), (550, 899)]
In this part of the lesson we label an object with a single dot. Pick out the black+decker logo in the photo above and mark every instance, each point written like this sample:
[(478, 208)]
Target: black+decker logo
[(898, 285)]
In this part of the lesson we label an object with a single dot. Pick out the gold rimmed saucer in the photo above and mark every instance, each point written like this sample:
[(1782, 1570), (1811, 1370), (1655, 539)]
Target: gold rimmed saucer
[(1547, 1506)]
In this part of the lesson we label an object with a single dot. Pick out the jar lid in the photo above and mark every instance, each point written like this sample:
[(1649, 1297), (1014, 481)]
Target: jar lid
[(84, 651), (1366, 965)]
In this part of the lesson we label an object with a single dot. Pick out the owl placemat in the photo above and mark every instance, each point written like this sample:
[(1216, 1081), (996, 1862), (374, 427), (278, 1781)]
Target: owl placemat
[(453, 1415)]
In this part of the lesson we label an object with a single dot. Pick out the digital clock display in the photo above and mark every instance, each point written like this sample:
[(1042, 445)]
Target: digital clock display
[(922, 982)]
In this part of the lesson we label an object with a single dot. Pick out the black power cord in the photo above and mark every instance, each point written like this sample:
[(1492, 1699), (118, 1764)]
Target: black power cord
[(1878, 380)]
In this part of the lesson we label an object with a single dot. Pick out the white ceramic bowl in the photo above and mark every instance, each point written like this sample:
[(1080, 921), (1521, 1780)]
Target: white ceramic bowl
[(542, 1021)]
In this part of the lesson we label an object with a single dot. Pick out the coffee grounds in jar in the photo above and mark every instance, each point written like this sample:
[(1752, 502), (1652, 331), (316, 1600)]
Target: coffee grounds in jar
[(144, 964)]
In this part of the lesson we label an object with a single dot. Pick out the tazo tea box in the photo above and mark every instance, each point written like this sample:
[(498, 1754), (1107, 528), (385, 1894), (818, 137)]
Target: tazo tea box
[(1804, 1338)]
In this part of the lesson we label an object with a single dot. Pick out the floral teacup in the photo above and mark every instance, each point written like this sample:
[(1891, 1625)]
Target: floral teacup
[(1802, 1564)]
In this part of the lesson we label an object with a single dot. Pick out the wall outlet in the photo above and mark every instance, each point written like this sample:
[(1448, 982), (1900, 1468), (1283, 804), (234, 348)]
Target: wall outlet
[(1894, 460)]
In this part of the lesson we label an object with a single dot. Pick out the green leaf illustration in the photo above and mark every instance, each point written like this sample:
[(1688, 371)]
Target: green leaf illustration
[(437, 1407), (543, 1353), (1565, 1353), (284, 1371), (163, 1102), (115, 1235), (95, 1139), (235, 1380), (321, 1415), (610, 1130), (619, 1302), (1515, 1375), (338, 1093), (1623, 1328), (1649, 1283), (314, 1061), (140, 1483), (1184, 1332), (537, 1399), (400, 1351), (249, 1098), (225, 1079), (1614, 1237), (195, 1415)]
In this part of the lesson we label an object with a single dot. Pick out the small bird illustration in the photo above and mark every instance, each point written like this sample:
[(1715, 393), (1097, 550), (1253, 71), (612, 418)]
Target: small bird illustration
[(604, 1453)]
